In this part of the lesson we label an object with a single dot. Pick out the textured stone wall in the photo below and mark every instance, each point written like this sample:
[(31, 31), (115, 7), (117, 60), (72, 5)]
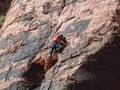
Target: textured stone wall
[(90, 61)]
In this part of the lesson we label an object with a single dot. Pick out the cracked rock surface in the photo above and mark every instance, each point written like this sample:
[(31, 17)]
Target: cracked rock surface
[(91, 59)]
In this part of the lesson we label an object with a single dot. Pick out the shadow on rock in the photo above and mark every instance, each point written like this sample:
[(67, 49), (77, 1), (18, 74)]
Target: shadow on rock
[(34, 76)]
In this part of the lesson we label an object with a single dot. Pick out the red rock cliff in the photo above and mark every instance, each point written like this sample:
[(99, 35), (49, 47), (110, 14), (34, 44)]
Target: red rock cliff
[(91, 59)]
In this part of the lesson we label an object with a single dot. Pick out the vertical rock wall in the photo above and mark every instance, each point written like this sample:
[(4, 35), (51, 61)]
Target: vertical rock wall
[(89, 62)]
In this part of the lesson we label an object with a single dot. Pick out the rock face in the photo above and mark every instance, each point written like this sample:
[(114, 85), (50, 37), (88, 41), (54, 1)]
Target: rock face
[(91, 59)]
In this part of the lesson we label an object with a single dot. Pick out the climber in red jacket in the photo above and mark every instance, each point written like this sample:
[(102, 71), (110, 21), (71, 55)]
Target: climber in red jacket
[(58, 43)]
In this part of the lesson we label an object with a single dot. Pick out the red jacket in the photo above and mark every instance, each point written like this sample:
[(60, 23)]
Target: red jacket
[(57, 38)]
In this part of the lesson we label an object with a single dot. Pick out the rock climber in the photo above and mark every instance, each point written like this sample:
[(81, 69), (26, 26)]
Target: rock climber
[(57, 46), (59, 42)]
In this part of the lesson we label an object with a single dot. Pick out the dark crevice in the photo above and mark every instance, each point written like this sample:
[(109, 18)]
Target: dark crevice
[(4, 6), (8, 73), (36, 72), (33, 76)]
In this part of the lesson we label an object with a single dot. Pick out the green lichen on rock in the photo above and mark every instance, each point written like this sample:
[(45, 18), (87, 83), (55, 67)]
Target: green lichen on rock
[(2, 18)]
